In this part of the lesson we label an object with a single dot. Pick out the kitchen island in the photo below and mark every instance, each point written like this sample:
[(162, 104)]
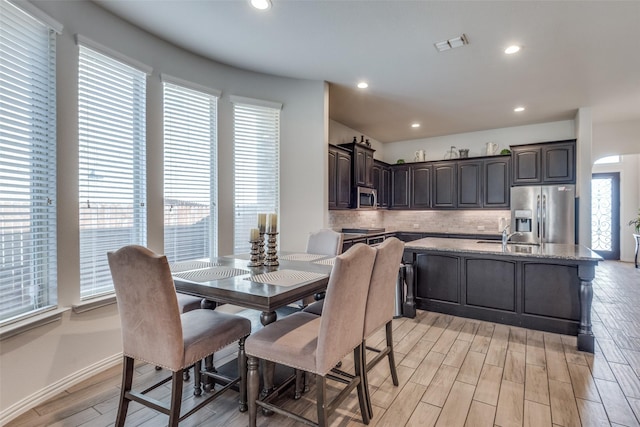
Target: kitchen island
[(545, 287)]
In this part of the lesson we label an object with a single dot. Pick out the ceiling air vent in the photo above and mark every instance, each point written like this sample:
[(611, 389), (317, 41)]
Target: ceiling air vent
[(451, 43)]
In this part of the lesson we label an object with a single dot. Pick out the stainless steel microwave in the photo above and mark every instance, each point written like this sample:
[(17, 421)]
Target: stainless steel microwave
[(366, 198)]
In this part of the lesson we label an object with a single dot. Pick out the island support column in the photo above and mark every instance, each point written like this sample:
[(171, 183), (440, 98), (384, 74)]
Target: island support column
[(586, 273)]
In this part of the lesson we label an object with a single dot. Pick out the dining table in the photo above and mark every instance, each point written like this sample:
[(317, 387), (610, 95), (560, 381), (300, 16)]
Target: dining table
[(230, 280)]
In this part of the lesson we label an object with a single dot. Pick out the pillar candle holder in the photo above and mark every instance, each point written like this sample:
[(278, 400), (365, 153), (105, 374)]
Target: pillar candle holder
[(261, 254), (255, 260), (271, 258)]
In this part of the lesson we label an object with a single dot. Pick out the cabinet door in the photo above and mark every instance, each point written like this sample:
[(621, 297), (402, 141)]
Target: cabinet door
[(558, 163), (360, 167), (526, 165), (343, 180), (444, 185), (420, 193), (470, 184), (400, 187), (385, 188), (332, 179), (376, 173), (496, 183)]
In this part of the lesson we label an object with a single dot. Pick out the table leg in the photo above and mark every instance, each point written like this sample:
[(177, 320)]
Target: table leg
[(635, 260), (268, 367)]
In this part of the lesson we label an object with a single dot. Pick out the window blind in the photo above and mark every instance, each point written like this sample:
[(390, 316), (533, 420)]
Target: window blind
[(28, 276), (190, 173), (112, 161), (256, 134)]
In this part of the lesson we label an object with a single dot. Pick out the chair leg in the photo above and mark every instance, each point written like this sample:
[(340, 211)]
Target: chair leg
[(365, 379), (392, 361), (297, 394), (176, 399), (209, 383), (127, 380), (358, 358), (321, 398), (197, 378), (185, 374), (253, 388), (242, 372)]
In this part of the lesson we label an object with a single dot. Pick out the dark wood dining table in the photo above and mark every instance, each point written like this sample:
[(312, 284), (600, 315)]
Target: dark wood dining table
[(228, 279)]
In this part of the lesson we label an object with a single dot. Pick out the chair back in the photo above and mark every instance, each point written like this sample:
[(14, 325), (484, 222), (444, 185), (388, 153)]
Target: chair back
[(380, 302), (148, 306), (325, 242), (342, 321)]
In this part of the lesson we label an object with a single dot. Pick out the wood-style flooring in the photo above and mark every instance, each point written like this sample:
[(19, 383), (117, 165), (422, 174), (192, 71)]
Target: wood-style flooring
[(453, 372)]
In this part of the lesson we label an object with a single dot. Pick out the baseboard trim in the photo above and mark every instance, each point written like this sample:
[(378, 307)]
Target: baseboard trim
[(51, 390)]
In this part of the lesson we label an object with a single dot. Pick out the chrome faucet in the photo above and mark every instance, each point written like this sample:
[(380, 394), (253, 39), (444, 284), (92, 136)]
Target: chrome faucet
[(506, 236)]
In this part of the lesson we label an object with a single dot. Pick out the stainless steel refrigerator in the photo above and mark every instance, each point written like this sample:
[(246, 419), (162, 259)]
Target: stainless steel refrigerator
[(543, 213)]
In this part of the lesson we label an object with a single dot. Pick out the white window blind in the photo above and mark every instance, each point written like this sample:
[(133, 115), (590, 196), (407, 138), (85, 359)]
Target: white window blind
[(190, 175), (28, 276), (112, 174), (256, 134)]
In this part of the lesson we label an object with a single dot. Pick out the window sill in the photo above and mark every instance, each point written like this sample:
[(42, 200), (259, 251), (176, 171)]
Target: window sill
[(32, 322), (94, 303)]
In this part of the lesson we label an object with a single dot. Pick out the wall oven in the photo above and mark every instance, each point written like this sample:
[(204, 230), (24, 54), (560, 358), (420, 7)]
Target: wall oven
[(366, 198)]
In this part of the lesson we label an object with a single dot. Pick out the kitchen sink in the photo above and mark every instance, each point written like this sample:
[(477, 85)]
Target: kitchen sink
[(498, 242)]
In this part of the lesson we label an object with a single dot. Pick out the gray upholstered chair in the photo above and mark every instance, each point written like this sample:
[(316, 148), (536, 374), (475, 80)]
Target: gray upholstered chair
[(316, 343), (187, 302), (322, 242), (154, 331), (380, 306)]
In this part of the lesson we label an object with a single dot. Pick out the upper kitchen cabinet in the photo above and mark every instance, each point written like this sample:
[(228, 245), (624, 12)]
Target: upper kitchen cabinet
[(444, 185), (497, 182), (420, 186), (470, 184), (545, 163), (399, 187), (362, 163), (339, 178), (382, 182)]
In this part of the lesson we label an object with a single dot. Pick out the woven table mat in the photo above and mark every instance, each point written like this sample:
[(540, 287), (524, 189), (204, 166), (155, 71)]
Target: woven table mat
[(213, 273), (285, 277), (301, 257), (177, 267)]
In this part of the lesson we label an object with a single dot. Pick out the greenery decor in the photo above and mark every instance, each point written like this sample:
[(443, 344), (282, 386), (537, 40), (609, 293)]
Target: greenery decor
[(636, 223)]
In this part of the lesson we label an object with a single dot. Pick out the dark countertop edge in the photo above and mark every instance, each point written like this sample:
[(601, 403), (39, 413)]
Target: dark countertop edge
[(357, 236), (415, 246)]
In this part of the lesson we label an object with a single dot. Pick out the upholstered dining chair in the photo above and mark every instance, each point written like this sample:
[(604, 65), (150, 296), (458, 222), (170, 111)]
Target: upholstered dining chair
[(322, 242), (315, 344), (154, 331), (380, 307)]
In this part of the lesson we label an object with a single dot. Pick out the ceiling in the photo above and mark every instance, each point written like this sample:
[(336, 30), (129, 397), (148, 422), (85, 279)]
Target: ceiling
[(574, 54)]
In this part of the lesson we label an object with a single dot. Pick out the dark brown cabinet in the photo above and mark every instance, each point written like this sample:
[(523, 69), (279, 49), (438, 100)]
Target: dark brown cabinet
[(362, 163), (470, 184), (544, 163), (400, 187), (420, 186), (382, 182), (339, 178), (497, 182), (444, 185)]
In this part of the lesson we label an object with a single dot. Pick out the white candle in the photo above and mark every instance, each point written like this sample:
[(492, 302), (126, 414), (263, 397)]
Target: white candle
[(262, 222), (272, 223), (254, 234)]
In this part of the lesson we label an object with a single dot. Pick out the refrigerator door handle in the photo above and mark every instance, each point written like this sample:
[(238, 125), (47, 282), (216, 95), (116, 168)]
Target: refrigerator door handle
[(538, 218), (544, 218)]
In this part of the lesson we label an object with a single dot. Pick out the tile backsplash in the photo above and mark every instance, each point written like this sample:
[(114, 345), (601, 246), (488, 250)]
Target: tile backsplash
[(440, 221)]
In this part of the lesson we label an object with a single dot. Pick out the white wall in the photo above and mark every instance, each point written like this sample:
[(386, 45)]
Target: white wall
[(615, 138), (33, 361), (342, 134), (629, 199), (584, 135), (436, 147)]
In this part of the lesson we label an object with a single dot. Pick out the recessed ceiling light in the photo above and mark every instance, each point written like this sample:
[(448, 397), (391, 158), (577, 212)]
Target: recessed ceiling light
[(415, 125), (363, 85), (512, 49), (518, 109), (261, 4)]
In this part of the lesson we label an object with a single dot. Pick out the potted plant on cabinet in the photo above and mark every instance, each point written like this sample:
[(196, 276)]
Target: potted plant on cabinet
[(636, 223)]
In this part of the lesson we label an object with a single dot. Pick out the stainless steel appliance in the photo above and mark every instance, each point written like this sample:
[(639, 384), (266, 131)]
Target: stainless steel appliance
[(366, 198), (543, 214)]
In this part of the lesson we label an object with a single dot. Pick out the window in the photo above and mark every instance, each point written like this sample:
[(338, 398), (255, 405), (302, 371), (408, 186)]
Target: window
[(112, 174), (190, 175), (256, 136), (28, 278)]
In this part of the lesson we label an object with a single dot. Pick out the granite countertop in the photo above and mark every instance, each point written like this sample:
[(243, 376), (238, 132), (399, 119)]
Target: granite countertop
[(475, 236), (545, 250)]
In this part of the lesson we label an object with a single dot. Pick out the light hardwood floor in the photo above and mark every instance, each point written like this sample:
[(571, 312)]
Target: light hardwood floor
[(452, 371)]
